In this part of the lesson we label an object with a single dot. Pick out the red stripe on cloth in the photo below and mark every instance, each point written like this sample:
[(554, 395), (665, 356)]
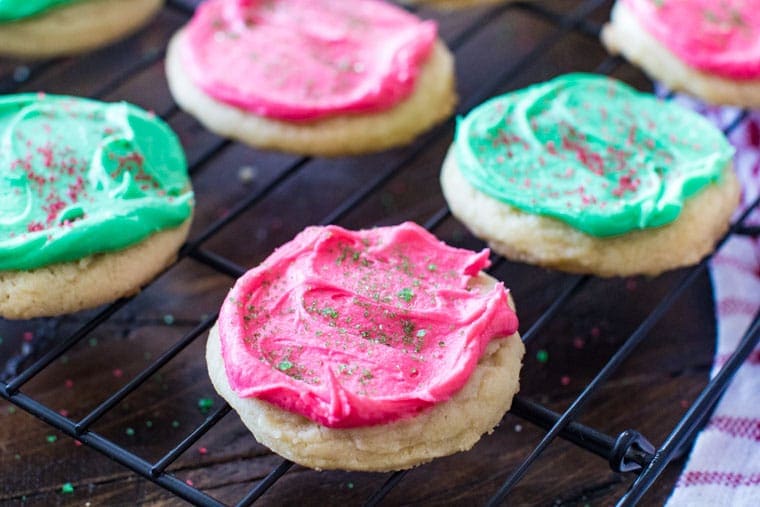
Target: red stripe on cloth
[(753, 358), (726, 479), (736, 306), (741, 427)]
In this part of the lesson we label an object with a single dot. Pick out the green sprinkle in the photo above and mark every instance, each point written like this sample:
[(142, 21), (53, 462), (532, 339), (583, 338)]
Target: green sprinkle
[(432, 267), (67, 488), (93, 342), (350, 485), (11, 410), (330, 312), (542, 356), (51, 438), (205, 404), (168, 319), (1, 340), (284, 365), (175, 424), (17, 456), (406, 294), (421, 333), (149, 424), (130, 432)]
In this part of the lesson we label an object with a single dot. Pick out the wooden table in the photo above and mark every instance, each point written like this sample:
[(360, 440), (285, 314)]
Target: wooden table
[(497, 49)]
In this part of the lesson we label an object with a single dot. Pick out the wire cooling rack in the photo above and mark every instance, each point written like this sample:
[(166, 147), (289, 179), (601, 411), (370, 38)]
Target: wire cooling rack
[(627, 452)]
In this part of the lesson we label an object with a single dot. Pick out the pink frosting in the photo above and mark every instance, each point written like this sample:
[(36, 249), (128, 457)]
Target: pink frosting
[(360, 328), (306, 59), (718, 37)]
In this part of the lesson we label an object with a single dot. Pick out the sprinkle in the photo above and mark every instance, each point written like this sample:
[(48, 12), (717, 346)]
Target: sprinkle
[(28, 336), (421, 333), (51, 438), (595, 332), (64, 412), (518, 428), (542, 356), (205, 404), (67, 488), (130, 432), (246, 174), (11, 410), (189, 482), (565, 380), (148, 423), (432, 267), (350, 485), (579, 342), (17, 456), (1, 340), (284, 365), (684, 403), (406, 294), (68, 383), (117, 373), (175, 424), (78, 443), (168, 319), (93, 342), (202, 450)]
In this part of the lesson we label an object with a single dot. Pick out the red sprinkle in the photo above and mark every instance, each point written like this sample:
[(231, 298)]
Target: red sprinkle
[(118, 373), (28, 336), (565, 380), (202, 450), (68, 383), (579, 343)]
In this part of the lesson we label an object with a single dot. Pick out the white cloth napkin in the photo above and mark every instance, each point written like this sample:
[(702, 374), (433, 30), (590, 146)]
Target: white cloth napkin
[(724, 466)]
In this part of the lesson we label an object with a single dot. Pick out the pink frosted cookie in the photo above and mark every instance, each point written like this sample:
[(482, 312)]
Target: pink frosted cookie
[(708, 48), (372, 350), (312, 76)]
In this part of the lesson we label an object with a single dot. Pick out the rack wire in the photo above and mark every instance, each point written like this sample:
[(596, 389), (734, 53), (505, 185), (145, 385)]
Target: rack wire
[(627, 452)]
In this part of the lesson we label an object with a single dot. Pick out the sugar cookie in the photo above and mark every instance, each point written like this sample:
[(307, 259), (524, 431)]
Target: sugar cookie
[(707, 48), (94, 201), (312, 76), (48, 28), (371, 350), (585, 174)]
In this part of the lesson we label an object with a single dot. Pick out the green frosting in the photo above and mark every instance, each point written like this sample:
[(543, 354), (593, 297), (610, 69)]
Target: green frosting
[(12, 10), (79, 177), (590, 151)]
